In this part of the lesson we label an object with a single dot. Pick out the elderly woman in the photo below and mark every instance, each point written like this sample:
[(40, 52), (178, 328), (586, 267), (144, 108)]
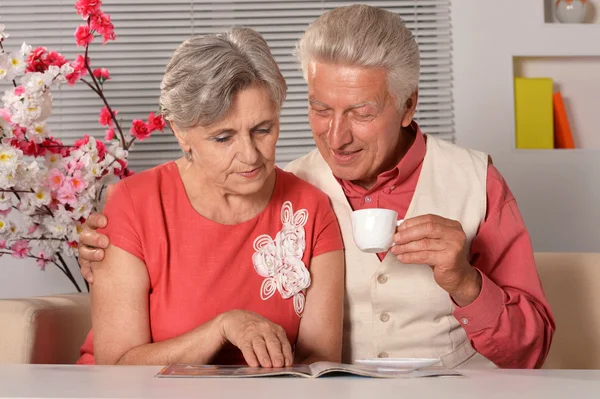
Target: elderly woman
[(219, 257)]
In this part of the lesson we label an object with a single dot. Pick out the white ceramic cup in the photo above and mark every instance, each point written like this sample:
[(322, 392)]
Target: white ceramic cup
[(373, 229)]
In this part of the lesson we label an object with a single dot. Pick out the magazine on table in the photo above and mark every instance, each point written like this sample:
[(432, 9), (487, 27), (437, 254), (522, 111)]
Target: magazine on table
[(314, 370)]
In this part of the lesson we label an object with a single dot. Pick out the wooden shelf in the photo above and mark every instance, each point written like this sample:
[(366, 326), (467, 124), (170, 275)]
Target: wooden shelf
[(578, 79)]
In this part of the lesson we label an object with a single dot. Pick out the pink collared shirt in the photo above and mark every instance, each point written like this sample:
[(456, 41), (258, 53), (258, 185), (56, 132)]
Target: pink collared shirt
[(510, 322)]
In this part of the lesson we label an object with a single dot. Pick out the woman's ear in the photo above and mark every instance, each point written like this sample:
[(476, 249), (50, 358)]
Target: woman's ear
[(409, 109), (180, 136)]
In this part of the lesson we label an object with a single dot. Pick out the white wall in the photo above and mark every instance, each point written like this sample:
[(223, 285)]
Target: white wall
[(558, 192), (23, 277)]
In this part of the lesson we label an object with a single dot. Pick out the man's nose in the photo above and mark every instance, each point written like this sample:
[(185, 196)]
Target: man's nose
[(340, 132)]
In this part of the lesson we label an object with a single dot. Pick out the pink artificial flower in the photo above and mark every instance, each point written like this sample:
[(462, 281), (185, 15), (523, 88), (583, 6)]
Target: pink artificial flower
[(102, 74), (56, 59), (79, 64), (31, 148), (52, 145), (105, 117), (66, 195), (19, 132), (83, 36), (74, 166), (39, 61), (35, 60), (81, 142), (5, 114), (32, 228), (139, 130), (19, 91), (77, 183), (101, 23), (155, 122), (2, 244), (19, 249), (79, 69), (110, 134), (43, 260), (85, 8), (5, 212), (101, 148), (120, 171), (56, 179)]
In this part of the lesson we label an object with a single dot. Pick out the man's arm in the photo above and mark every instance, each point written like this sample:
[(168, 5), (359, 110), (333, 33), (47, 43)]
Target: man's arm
[(510, 322)]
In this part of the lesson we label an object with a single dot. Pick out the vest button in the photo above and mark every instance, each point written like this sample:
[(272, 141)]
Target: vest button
[(368, 199), (384, 317), (382, 279), (382, 355), (464, 320)]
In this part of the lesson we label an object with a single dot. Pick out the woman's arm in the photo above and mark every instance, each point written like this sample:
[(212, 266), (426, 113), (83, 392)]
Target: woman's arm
[(121, 324), (320, 334)]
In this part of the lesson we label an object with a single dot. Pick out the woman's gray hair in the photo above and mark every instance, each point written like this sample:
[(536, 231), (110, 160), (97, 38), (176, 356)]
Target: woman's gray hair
[(364, 36), (206, 72)]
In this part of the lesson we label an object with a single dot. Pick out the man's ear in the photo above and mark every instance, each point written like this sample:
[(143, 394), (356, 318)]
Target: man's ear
[(409, 109)]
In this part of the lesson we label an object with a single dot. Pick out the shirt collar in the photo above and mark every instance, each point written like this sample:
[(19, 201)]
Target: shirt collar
[(399, 174)]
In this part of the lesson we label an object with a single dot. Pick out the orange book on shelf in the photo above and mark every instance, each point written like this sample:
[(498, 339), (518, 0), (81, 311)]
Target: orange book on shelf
[(563, 138)]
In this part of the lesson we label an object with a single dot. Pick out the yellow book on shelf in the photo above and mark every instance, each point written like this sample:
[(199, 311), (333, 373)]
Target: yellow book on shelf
[(534, 113)]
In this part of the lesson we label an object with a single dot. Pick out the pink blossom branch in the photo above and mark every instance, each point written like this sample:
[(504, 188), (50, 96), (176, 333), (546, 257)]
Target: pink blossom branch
[(100, 92), (2, 190), (90, 86), (69, 274), (44, 239)]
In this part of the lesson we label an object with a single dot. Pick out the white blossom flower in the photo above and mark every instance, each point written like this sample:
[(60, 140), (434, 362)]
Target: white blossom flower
[(41, 197), (9, 161), (25, 49), (17, 63), (3, 35), (38, 132), (4, 225), (7, 200), (54, 161), (5, 68)]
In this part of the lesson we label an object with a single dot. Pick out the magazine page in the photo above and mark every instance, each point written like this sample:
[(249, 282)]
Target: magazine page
[(183, 370)]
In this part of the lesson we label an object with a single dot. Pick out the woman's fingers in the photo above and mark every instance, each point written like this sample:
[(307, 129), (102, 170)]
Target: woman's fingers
[(286, 348), (260, 350), (274, 346), (248, 353)]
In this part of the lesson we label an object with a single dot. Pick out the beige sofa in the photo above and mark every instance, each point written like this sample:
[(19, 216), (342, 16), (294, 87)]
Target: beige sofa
[(51, 329)]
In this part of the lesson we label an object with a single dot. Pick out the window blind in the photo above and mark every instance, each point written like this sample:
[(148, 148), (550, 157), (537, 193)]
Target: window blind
[(148, 31)]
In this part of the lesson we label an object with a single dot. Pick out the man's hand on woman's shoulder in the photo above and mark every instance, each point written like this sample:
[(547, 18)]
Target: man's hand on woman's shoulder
[(91, 243)]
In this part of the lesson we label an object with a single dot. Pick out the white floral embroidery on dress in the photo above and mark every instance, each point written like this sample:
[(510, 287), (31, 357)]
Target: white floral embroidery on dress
[(279, 261)]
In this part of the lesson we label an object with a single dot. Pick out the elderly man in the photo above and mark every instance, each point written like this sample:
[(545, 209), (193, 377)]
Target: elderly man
[(460, 283)]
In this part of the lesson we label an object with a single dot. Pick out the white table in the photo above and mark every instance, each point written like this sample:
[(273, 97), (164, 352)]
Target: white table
[(52, 381)]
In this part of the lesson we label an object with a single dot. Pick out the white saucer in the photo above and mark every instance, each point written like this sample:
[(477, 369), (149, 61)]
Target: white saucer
[(408, 363)]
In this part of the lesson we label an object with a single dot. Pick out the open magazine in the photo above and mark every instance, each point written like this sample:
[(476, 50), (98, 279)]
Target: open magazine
[(313, 370)]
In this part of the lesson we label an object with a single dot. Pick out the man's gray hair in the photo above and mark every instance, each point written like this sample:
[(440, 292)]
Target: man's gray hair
[(364, 36), (206, 72)]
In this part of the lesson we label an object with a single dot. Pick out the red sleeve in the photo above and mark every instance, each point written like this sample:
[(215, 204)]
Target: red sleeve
[(510, 323), (327, 235), (122, 228)]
